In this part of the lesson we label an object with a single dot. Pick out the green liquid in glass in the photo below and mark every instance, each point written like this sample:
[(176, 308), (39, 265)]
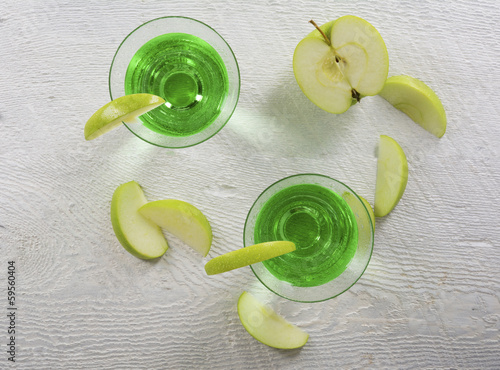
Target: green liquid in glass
[(188, 73), (319, 222)]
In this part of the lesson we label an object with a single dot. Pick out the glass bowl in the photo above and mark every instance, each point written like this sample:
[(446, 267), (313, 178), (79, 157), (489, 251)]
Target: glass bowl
[(175, 25), (293, 218)]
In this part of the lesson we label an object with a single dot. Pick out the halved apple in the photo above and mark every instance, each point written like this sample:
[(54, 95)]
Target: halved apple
[(392, 175), (137, 235), (418, 101), (341, 62), (267, 326), (183, 220)]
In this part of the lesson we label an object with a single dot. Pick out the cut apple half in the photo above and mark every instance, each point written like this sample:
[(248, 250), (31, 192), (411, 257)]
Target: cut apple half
[(183, 220), (124, 109), (340, 62), (418, 101), (248, 256), (392, 175), (265, 325), (137, 235)]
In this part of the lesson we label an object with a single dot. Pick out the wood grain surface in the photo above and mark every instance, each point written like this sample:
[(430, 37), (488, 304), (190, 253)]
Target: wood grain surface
[(430, 296)]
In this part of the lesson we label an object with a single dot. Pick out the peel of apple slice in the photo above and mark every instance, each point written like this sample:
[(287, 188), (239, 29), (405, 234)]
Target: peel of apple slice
[(345, 61), (418, 101), (392, 176), (181, 219), (248, 256), (117, 111), (138, 236), (265, 325)]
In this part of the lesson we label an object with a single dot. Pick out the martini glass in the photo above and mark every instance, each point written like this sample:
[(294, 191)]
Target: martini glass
[(330, 226), (187, 63)]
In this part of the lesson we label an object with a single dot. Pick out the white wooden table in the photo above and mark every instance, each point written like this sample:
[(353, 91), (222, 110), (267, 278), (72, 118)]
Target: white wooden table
[(430, 296)]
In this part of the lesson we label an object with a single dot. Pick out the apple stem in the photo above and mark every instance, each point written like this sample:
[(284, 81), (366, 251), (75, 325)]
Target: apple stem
[(321, 31)]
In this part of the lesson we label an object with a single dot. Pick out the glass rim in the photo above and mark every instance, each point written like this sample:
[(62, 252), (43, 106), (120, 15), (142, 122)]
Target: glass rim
[(276, 291), (200, 138)]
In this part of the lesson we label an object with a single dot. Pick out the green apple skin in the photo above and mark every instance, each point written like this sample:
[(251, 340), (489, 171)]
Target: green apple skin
[(267, 327), (248, 256), (117, 111), (365, 75), (139, 236), (183, 220), (392, 176), (418, 101)]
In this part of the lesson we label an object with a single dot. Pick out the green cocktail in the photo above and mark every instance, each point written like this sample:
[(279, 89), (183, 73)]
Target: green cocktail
[(189, 65), (188, 73), (332, 231), (322, 226)]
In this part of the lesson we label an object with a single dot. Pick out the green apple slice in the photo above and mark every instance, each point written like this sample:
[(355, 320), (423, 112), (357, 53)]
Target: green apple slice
[(352, 201), (392, 176), (248, 256), (340, 62), (137, 235), (370, 210), (183, 220), (267, 326), (418, 101), (123, 109)]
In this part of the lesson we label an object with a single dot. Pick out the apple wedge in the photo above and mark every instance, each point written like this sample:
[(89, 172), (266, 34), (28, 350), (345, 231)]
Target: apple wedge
[(370, 210), (183, 220), (248, 256), (265, 325), (117, 111), (137, 235), (418, 101), (392, 176), (340, 62), (357, 208)]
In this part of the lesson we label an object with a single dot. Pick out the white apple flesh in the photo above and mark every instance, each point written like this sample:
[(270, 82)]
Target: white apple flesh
[(183, 220), (347, 60)]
